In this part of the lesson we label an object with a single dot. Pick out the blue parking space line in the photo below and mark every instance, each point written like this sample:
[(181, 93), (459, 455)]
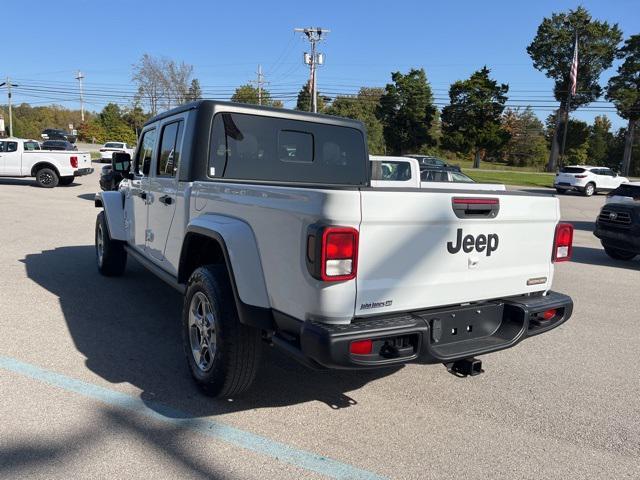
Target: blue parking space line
[(241, 438)]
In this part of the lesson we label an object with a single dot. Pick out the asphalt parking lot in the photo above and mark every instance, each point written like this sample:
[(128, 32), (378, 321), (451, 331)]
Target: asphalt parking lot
[(93, 383)]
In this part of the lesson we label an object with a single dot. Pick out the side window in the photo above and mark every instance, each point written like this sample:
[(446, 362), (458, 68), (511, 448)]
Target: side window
[(170, 146), (12, 146), (218, 148), (295, 146), (2, 146), (607, 171), (31, 146), (145, 152)]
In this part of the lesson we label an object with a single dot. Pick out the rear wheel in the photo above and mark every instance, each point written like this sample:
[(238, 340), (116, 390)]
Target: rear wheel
[(618, 254), (111, 256), (589, 189), (47, 178), (67, 180), (222, 353)]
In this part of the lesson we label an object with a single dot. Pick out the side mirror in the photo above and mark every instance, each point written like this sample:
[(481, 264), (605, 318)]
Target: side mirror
[(121, 163)]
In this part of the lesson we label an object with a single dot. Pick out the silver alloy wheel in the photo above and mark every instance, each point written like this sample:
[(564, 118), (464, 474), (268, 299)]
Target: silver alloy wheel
[(590, 189), (100, 244), (202, 331)]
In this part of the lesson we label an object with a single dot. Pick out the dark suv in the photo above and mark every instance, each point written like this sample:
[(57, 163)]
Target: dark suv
[(57, 134), (58, 145), (618, 228)]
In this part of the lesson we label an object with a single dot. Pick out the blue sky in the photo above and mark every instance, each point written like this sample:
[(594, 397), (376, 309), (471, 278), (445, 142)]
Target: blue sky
[(45, 44)]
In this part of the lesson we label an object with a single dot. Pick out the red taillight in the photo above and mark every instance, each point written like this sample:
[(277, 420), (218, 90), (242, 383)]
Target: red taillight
[(581, 176), (74, 162), (339, 254), (563, 242), (549, 314), (361, 347)]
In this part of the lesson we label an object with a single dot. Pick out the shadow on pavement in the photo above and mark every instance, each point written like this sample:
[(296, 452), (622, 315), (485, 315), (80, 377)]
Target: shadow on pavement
[(597, 256), (582, 225), (128, 329), (18, 181), (87, 196)]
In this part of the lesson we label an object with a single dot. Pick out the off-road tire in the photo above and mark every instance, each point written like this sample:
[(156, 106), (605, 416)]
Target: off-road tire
[(111, 257), (67, 180), (237, 348), (47, 178)]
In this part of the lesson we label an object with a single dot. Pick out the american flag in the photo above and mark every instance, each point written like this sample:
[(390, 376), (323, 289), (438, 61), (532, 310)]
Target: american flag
[(573, 77)]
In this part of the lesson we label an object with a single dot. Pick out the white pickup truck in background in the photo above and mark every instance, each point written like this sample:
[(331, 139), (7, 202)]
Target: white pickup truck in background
[(405, 172), (23, 158)]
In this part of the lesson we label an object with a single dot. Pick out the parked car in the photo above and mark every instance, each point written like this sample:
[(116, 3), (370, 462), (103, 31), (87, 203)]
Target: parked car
[(627, 192), (58, 145), (587, 180), (107, 150), (20, 157), (392, 172), (618, 228), (429, 161), (57, 134), (298, 250), (439, 175)]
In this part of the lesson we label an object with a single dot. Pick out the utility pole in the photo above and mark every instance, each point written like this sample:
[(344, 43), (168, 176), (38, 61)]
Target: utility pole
[(260, 83), (8, 84), (80, 77), (314, 59)]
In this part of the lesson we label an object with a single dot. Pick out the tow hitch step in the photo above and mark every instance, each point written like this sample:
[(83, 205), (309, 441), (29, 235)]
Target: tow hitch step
[(467, 367)]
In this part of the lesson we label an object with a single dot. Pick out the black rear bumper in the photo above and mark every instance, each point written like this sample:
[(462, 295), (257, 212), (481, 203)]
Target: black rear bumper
[(628, 240), (440, 335), (82, 171)]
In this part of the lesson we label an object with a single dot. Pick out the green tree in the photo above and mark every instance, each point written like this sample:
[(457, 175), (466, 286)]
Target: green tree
[(623, 90), (304, 100), (407, 112), (577, 146), (552, 52), (115, 127), (363, 107), (527, 145), (92, 131), (600, 137), (249, 94), (194, 92), (472, 122), (617, 149)]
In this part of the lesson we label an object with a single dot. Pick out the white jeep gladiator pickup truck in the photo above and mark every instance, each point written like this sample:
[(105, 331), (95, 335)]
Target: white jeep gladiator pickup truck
[(24, 158), (266, 221)]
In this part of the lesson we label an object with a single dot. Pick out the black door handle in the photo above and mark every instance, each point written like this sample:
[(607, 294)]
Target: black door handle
[(143, 195), (166, 199)]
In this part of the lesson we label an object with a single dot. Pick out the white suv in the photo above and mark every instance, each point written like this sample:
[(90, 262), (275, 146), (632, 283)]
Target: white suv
[(588, 180)]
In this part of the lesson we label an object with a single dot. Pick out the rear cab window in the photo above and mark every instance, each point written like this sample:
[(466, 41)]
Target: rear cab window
[(390, 171), (261, 148), (29, 146)]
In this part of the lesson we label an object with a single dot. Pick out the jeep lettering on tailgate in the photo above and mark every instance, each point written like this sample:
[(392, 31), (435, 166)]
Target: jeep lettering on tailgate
[(481, 243)]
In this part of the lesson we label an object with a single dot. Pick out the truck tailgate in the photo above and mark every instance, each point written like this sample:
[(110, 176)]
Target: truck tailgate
[(415, 252)]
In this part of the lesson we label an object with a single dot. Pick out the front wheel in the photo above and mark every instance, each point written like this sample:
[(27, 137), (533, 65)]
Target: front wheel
[(222, 353), (111, 256), (589, 189), (47, 178), (617, 254)]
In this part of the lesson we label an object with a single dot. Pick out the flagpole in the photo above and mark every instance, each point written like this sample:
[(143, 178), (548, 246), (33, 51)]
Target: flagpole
[(568, 107)]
